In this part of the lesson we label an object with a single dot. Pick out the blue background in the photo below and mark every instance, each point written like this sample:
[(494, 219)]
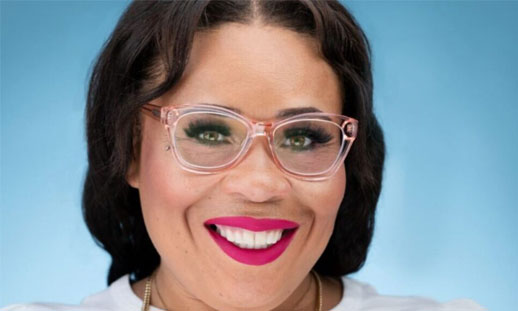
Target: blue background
[(446, 89)]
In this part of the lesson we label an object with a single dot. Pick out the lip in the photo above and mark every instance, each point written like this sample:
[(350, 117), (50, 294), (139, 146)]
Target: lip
[(255, 257)]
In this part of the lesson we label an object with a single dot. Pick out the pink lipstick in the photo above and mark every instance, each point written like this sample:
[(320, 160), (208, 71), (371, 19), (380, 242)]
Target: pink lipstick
[(250, 240)]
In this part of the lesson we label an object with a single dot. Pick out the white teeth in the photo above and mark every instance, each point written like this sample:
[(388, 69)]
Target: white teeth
[(249, 239), (238, 236), (270, 237), (260, 239), (229, 235)]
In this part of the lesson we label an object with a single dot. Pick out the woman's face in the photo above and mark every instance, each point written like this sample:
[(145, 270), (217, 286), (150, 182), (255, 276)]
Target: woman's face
[(260, 70)]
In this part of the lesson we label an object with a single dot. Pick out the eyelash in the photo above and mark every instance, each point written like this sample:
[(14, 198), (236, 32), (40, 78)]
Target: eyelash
[(317, 135), (199, 126)]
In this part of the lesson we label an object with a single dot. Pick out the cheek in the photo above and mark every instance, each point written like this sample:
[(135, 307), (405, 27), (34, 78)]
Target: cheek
[(163, 185), (165, 196), (322, 199), (157, 185), (325, 197)]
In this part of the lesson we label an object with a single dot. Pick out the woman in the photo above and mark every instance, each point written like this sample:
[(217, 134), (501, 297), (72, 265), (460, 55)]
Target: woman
[(222, 169)]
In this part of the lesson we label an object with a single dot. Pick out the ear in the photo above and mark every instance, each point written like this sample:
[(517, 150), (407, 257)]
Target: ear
[(132, 174)]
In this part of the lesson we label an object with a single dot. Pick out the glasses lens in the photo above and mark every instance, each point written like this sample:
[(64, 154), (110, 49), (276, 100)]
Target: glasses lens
[(208, 139), (308, 146)]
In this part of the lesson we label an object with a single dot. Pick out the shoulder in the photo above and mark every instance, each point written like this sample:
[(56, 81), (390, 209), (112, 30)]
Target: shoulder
[(118, 296), (49, 307), (360, 296)]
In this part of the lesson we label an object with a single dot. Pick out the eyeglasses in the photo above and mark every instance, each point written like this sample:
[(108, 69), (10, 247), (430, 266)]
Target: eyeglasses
[(208, 139)]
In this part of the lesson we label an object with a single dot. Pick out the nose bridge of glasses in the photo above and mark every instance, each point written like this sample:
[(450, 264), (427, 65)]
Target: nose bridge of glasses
[(260, 129)]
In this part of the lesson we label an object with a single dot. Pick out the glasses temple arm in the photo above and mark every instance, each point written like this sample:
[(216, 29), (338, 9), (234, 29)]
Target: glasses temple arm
[(151, 110)]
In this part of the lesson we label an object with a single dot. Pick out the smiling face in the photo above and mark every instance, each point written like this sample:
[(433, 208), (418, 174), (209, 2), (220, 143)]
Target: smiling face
[(260, 71)]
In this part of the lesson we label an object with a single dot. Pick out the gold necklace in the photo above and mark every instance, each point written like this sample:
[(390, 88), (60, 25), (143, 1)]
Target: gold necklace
[(319, 291), (147, 293)]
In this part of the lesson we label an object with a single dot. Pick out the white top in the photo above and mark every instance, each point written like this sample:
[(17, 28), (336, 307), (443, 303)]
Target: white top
[(357, 297)]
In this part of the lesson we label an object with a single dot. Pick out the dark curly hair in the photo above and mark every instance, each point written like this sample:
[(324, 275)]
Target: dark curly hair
[(146, 55)]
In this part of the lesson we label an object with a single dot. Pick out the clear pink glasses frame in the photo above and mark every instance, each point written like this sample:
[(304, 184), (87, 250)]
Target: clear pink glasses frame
[(170, 115)]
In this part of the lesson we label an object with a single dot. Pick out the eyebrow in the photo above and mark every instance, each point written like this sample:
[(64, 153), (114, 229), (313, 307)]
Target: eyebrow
[(283, 113), (295, 111)]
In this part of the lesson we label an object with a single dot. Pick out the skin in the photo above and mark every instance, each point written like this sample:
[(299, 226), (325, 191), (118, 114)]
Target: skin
[(259, 70)]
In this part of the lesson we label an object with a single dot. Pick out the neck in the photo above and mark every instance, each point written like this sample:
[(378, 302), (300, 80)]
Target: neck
[(176, 297)]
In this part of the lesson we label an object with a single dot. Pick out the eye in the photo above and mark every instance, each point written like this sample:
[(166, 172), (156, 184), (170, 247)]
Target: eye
[(298, 141), (211, 136), (304, 138), (208, 132)]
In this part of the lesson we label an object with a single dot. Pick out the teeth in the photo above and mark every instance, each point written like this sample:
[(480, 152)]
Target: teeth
[(229, 235), (249, 239), (260, 239), (274, 236)]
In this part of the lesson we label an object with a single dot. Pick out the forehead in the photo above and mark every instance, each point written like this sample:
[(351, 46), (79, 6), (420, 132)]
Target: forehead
[(259, 70)]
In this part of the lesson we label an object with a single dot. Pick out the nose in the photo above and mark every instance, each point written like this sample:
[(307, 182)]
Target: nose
[(256, 178)]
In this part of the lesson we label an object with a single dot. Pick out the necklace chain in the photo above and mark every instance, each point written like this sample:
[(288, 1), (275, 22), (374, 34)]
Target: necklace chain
[(319, 291), (147, 295), (152, 279)]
